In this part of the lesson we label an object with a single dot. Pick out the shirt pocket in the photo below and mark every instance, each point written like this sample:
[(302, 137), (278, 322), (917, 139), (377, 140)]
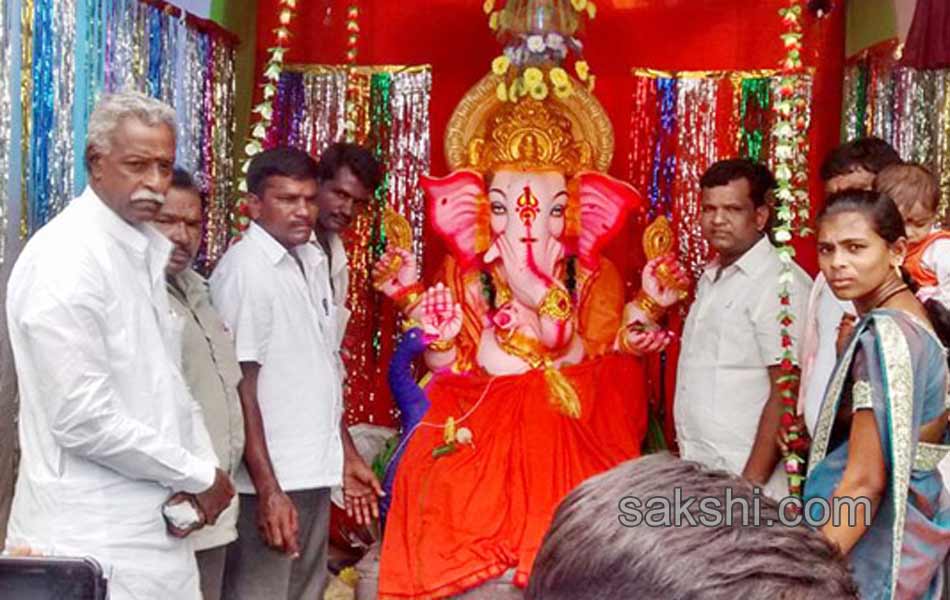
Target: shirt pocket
[(737, 346)]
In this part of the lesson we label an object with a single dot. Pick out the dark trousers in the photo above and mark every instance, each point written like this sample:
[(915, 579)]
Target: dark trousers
[(255, 571), (211, 570)]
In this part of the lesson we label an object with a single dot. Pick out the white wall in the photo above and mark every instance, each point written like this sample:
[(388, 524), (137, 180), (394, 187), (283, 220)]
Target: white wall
[(199, 8)]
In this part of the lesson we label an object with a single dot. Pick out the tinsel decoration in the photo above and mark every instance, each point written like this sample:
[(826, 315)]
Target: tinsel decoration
[(664, 157), (6, 122), (385, 109), (789, 138), (908, 108), (682, 122), (644, 128), (26, 112), (44, 113), (76, 50), (696, 150), (264, 111), (753, 117)]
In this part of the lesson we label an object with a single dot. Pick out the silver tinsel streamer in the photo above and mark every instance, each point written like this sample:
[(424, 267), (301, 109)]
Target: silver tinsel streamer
[(221, 171), (324, 119), (6, 124), (696, 140), (409, 149), (61, 151), (942, 163), (193, 77), (882, 93), (120, 71), (908, 108), (169, 53)]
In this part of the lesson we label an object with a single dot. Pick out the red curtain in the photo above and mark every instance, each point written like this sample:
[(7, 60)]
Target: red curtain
[(928, 42)]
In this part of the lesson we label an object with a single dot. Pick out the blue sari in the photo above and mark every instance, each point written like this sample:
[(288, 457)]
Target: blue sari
[(898, 369)]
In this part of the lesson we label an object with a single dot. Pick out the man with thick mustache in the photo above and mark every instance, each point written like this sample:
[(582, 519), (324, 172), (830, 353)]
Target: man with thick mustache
[(108, 429), (274, 291), (209, 364)]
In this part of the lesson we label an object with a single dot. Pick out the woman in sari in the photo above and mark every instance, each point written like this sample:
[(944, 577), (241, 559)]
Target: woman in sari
[(882, 426)]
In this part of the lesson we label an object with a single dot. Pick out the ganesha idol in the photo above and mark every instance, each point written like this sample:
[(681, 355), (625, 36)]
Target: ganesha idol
[(536, 378)]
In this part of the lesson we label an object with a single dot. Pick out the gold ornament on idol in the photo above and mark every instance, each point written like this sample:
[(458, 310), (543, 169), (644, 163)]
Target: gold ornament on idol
[(658, 241), (569, 135), (563, 395), (399, 235), (650, 307), (556, 304), (529, 135)]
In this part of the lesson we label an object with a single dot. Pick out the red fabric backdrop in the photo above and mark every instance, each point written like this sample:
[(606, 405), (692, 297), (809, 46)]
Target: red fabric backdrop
[(453, 36)]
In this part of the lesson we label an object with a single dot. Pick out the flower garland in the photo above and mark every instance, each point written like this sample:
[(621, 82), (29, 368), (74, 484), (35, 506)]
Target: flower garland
[(241, 218), (352, 32), (789, 138), (533, 54)]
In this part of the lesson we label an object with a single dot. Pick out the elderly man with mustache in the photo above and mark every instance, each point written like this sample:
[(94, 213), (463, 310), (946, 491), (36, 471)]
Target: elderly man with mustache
[(108, 429)]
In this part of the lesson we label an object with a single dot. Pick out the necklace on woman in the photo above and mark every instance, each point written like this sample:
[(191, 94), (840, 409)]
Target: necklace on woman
[(891, 294)]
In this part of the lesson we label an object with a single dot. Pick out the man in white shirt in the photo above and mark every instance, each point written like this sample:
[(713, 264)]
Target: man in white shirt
[(108, 429), (728, 402), (273, 290)]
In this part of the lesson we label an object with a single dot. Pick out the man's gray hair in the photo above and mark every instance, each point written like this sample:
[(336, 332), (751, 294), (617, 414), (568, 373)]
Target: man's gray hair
[(112, 109), (589, 553)]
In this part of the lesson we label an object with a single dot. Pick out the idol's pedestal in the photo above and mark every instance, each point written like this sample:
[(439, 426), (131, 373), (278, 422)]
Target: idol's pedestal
[(496, 589)]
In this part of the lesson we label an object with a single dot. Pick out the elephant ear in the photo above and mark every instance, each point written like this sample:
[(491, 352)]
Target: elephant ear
[(605, 203), (458, 211)]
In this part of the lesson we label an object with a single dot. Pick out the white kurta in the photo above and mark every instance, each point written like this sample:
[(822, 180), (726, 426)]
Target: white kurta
[(108, 430), (731, 338), (819, 354)]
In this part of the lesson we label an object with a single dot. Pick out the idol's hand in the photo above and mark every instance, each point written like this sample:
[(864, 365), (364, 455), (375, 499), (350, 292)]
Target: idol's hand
[(639, 335), (439, 314), (665, 280), (395, 271)]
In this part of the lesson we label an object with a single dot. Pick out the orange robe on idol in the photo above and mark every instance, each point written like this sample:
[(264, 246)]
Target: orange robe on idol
[(463, 518)]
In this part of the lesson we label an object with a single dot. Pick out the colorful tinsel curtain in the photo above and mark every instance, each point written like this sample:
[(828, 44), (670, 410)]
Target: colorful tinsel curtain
[(683, 122), (909, 108), (60, 56), (386, 109)]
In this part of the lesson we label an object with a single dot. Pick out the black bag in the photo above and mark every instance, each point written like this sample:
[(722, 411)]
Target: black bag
[(51, 578)]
